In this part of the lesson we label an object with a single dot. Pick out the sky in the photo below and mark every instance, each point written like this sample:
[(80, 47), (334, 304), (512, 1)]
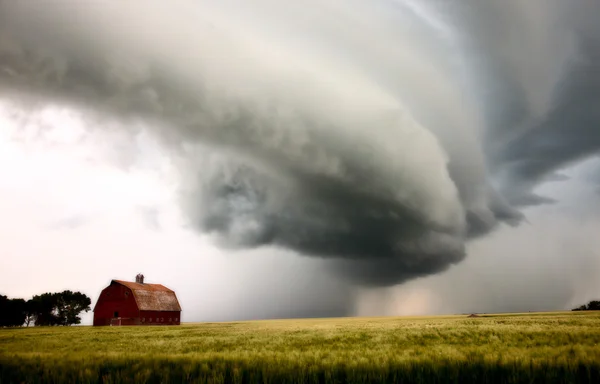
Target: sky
[(309, 160)]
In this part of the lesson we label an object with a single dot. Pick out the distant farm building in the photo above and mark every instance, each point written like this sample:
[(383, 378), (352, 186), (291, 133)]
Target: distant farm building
[(128, 303)]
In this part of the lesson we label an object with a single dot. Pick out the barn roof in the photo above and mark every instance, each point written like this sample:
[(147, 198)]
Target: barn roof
[(152, 297)]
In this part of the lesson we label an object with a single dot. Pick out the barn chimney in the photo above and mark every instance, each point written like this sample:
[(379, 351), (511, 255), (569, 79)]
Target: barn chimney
[(139, 278)]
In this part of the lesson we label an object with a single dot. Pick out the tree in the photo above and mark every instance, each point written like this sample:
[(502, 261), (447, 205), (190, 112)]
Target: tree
[(61, 308), (4, 304), (43, 309), (593, 305), (29, 313), (12, 312), (69, 305)]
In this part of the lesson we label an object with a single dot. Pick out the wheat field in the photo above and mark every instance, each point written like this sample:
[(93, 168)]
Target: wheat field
[(510, 348)]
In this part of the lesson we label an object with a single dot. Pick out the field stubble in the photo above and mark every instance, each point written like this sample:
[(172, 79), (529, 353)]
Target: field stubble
[(548, 347)]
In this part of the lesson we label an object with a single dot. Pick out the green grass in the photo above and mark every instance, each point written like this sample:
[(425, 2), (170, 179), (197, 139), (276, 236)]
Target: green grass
[(532, 348)]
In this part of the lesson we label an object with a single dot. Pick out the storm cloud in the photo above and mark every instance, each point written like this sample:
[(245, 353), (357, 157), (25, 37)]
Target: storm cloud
[(380, 135)]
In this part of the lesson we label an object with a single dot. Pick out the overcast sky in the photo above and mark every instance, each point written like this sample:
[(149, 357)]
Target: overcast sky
[(315, 159), (98, 221)]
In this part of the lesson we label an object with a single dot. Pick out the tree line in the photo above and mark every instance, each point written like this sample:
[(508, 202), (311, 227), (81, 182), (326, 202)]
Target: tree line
[(593, 305), (61, 308)]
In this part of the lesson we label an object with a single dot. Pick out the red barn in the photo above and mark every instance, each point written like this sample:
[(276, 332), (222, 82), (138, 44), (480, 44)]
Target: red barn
[(128, 303)]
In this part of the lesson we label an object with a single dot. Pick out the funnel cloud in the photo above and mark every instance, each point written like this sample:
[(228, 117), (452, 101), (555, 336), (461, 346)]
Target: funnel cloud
[(381, 136)]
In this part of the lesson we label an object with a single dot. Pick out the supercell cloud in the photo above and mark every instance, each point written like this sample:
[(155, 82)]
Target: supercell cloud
[(380, 135)]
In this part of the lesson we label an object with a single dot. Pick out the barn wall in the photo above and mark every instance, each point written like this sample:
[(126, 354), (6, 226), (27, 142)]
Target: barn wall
[(115, 298), (160, 317)]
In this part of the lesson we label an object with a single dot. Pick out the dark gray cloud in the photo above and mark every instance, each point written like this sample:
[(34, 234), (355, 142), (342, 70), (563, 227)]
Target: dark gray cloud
[(536, 68), (371, 149), (569, 133)]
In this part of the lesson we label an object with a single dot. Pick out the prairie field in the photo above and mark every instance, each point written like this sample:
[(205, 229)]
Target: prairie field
[(561, 347)]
